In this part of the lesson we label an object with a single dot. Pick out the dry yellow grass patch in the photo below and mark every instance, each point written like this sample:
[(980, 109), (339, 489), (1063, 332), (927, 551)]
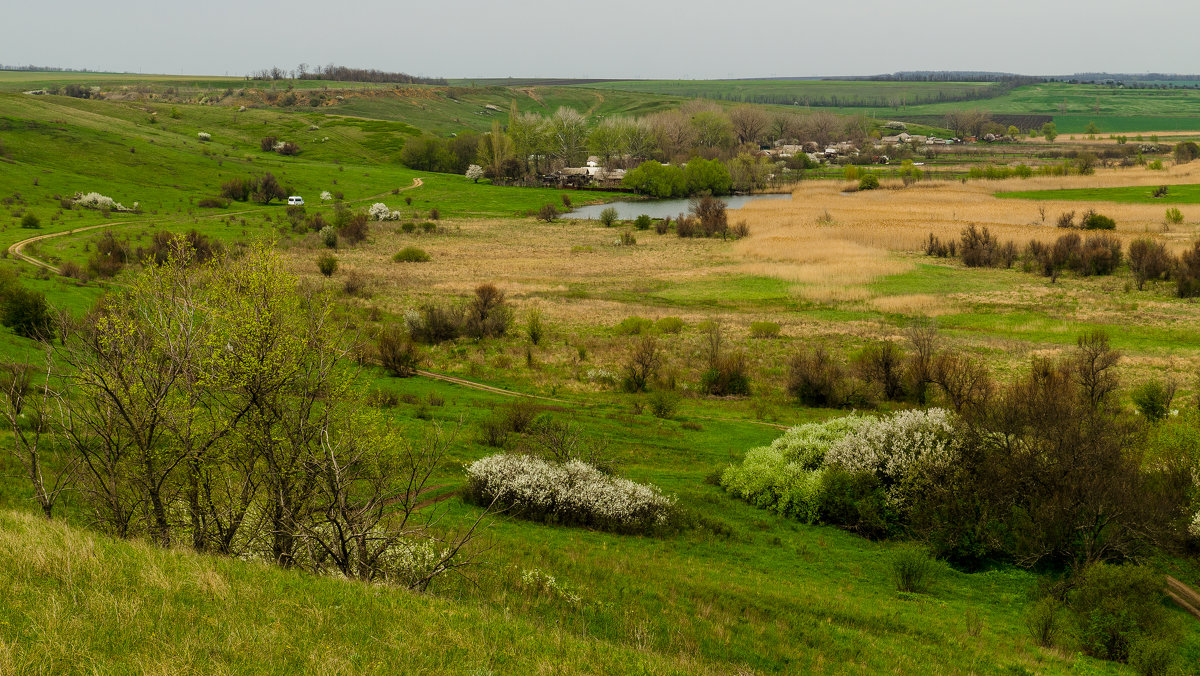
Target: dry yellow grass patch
[(831, 239), (528, 260), (915, 304)]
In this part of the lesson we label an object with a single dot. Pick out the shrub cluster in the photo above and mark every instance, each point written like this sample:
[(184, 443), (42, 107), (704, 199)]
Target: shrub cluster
[(411, 254), (25, 311), (486, 315), (1098, 254), (572, 493), (1045, 470), (262, 190)]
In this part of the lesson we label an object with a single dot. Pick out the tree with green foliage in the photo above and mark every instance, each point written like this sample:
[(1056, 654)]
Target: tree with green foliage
[(530, 139), (657, 180), (712, 129), (425, 153), (707, 176), (607, 140), (215, 406), (637, 139), (495, 148), (25, 311), (31, 221), (1050, 131), (749, 172)]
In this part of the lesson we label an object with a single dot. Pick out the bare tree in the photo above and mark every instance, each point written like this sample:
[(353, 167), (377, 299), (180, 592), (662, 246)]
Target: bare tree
[(785, 126), (1093, 367), (376, 519), (568, 135), (26, 408), (822, 126), (750, 123), (643, 363), (672, 134), (923, 339), (965, 381)]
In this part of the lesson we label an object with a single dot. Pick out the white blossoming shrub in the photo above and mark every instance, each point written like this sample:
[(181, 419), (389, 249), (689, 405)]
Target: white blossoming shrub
[(326, 195), (94, 200), (600, 375), (901, 453), (573, 493), (474, 172), (902, 450), (786, 476), (380, 212), (204, 136)]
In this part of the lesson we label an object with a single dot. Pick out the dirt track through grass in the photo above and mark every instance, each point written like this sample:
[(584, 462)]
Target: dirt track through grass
[(15, 249)]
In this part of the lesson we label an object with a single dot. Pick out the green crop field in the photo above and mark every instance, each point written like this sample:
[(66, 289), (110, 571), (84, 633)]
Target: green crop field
[(729, 587), (850, 93), (1113, 110), (1176, 194)]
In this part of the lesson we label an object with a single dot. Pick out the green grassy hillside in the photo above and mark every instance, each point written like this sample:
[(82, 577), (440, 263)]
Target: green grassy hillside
[(1112, 110)]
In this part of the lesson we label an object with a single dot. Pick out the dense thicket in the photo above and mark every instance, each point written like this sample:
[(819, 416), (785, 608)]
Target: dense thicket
[(1048, 469)]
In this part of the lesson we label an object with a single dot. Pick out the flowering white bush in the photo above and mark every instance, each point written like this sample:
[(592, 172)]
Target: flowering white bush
[(380, 212), (904, 451), (1194, 526), (94, 200), (573, 492), (326, 195), (474, 172), (786, 476), (204, 136), (601, 375), (413, 321), (894, 447)]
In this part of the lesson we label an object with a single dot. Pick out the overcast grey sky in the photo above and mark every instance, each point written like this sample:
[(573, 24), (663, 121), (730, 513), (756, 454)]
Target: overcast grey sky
[(606, 38)]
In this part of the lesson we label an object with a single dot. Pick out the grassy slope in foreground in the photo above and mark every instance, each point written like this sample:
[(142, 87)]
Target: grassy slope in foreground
[(1136, 194), (78, 601)]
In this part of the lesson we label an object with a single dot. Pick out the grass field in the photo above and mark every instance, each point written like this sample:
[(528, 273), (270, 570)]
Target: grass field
[(751, 592), (1177, 194), (1073, 107), (853, 93)]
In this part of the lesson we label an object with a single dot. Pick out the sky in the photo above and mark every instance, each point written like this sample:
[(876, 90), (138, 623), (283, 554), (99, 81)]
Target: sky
[(684, 39)]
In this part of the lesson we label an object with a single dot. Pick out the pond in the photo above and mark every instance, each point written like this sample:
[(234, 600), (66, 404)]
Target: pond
[(628, 210)]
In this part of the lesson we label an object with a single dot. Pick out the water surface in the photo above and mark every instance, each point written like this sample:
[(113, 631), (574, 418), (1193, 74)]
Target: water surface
[(628, 210)]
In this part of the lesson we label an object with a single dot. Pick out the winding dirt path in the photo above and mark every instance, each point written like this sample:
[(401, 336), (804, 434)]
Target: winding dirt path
[(16, 249)]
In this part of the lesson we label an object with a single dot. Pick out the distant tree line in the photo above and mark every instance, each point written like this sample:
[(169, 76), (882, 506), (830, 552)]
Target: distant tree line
[(46, 69), (341, 74)]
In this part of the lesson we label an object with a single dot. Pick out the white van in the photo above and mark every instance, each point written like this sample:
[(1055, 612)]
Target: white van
[(296, 200)]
